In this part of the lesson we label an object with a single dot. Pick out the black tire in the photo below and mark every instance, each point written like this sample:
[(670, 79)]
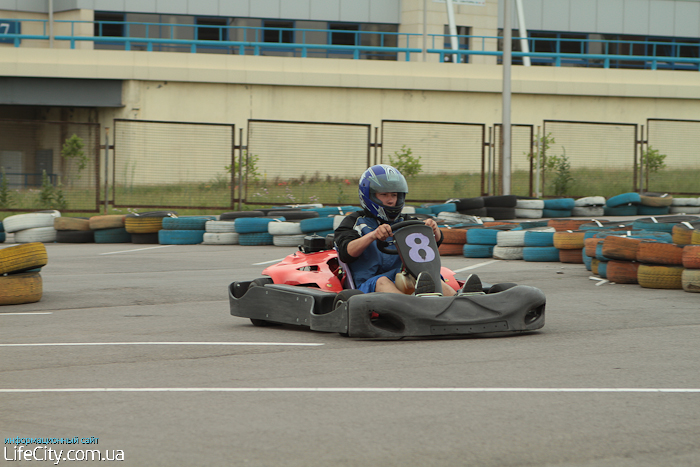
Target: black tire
[(153, 214), (341, 298), (464, 204), (260, 282), (75, 236), (500, 213), (140, 238), (478, 212), (237, 214), (502, 201), (291, 214)]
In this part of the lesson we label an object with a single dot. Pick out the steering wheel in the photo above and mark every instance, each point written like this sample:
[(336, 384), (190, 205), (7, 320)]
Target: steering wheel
[(383, 246)]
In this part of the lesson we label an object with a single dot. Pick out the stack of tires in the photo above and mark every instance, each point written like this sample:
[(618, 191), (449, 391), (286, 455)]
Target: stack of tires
[(32, 227), (73, 230), (3, 236), (501, 207), (624, 204), (660, 265), (685, 206), (469, 206), (558, 207), (589, 206), (109, 228), (529, 208), (480, 243), (436, 209), (186, 230), (453, 241), (144, 226), (570, 244), (218, 232), (254, 231), (539, 246), (690, 278), (509, 244), (617, 258), (20, 277), (654, 204)]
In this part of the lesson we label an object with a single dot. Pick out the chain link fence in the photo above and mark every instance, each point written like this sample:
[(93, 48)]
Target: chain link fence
[(522, 166), (172, 164), (49, 165), (589, 158), (452, 157), (679, 142)]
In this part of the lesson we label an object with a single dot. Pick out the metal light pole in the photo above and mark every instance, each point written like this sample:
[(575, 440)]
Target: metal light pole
[(507, 58), (50, 24)]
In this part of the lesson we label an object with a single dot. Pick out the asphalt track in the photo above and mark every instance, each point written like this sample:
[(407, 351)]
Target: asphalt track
[(151, 363)]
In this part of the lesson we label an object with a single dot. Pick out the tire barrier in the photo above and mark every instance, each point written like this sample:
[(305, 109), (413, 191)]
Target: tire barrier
[(569, 240), (186, 222), (477, 251), (560, 225), (603, 269), (288, 240), (571, 256), (625, 210), (656, 199), (620, 248), (316, 225), (445, 207), (500, 213), (108, 221), (660, 277), (181, 237), (556, 213), (501, 201), (451, 249), (453, 236), (668, 254), (231, 215), (144, 238), (508, 252), (245, 225), (623, 199), (36, 234), (586, 260), (539, 239), (662, 224), (75, 236), (146, 222), (684, 210), (652, 211), (482, 236), (255, 239), (588, 211), (220, 226), (465, 204), (541, 254), (690, 280), (114, 235), (536, 204), (691, 257), (511, 238), (29, 221), (695, 238), (622, 272), (71, 223), (284, 228), (17, 289), (589, 201), (682, 234), (599, 253), (220, 238), (20, 258), (559, 204), (522, 213)]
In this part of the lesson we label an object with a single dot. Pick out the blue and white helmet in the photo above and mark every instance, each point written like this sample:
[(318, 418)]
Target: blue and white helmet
[(382, 179)]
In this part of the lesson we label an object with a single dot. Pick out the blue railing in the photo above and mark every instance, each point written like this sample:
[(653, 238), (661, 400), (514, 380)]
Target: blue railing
[(245, 40)]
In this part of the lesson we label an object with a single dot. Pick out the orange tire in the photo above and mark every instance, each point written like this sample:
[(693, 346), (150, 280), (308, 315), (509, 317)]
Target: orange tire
[(571, 256), (453, 236), (660, 253), (660, 277), (569, 240), (691, 257), (561, 225), (451, 249), (622, 272), (622, 248), (591, 244)]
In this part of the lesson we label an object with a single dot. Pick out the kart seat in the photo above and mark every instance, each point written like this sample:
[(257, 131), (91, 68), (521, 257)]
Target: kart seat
[(348, 282)]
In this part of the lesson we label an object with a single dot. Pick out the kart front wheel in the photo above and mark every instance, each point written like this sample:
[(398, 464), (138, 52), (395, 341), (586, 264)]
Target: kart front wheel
[(341, 298), (260, 283)]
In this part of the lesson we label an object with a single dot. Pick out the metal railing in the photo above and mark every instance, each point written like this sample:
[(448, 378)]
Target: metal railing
[(248, 40)]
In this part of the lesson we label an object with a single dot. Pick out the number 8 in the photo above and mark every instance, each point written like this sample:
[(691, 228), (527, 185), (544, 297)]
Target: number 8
[(419, 242)]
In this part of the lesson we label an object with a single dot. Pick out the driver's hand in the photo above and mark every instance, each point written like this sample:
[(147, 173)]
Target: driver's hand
[(382, 232), (433, 225)]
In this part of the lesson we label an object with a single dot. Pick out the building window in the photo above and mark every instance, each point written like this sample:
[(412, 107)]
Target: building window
[(278, 31), (109, 24), (462, 42), (211, 29), (350, 35)]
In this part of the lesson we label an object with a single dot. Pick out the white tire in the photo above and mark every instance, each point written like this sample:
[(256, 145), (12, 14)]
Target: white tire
[(684, 210), (590, 201), (221, 238), (408, 210), (511, 238), (588, 211), (508, 252), (457, 217), (29, 221), (220, 226), (284, 228), (528, 213), (288, 240), (530, 204), (36, 234), (685, 202)]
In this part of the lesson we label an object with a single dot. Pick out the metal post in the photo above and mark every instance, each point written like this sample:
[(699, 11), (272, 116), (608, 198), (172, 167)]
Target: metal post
[(507, 58), (50, 24), (488, 184), (240, 170), (641, 163), (106, 205), (425, 30), (524, 46), (538, 193), (376, 145), (453, 29)]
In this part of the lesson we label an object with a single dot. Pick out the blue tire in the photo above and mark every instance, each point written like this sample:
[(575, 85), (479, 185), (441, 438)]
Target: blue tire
[(3, 236), (478, 251), (424, 211), (653, 210), (186, 223), (181, 237), (623, 199), (559, 204), (316, 224), (482, 236), (115, 235), (445, 207), (253, 224), (326, 211), (587, 260), (603, 269), (550, 213), (255, 239), (545, 254), (2, 229), (599, 253), (536, 238), (626, 210)]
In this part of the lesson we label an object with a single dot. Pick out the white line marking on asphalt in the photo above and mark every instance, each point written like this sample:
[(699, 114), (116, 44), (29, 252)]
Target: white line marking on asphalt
[(49, 344), (476, 266), (427, 390), (29, 313), (138, 249), (267, 262)]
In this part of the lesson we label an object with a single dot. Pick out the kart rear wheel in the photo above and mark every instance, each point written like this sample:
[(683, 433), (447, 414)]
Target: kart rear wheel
[(260, 282), (342, 298)]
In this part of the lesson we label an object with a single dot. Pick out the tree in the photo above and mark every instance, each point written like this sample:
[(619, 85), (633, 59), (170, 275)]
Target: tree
[(73, 151), (652, 162), (405, 162), (6, 200)]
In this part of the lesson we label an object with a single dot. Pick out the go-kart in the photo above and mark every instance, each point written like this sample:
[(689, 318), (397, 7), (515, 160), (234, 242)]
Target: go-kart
[(314, 289)]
